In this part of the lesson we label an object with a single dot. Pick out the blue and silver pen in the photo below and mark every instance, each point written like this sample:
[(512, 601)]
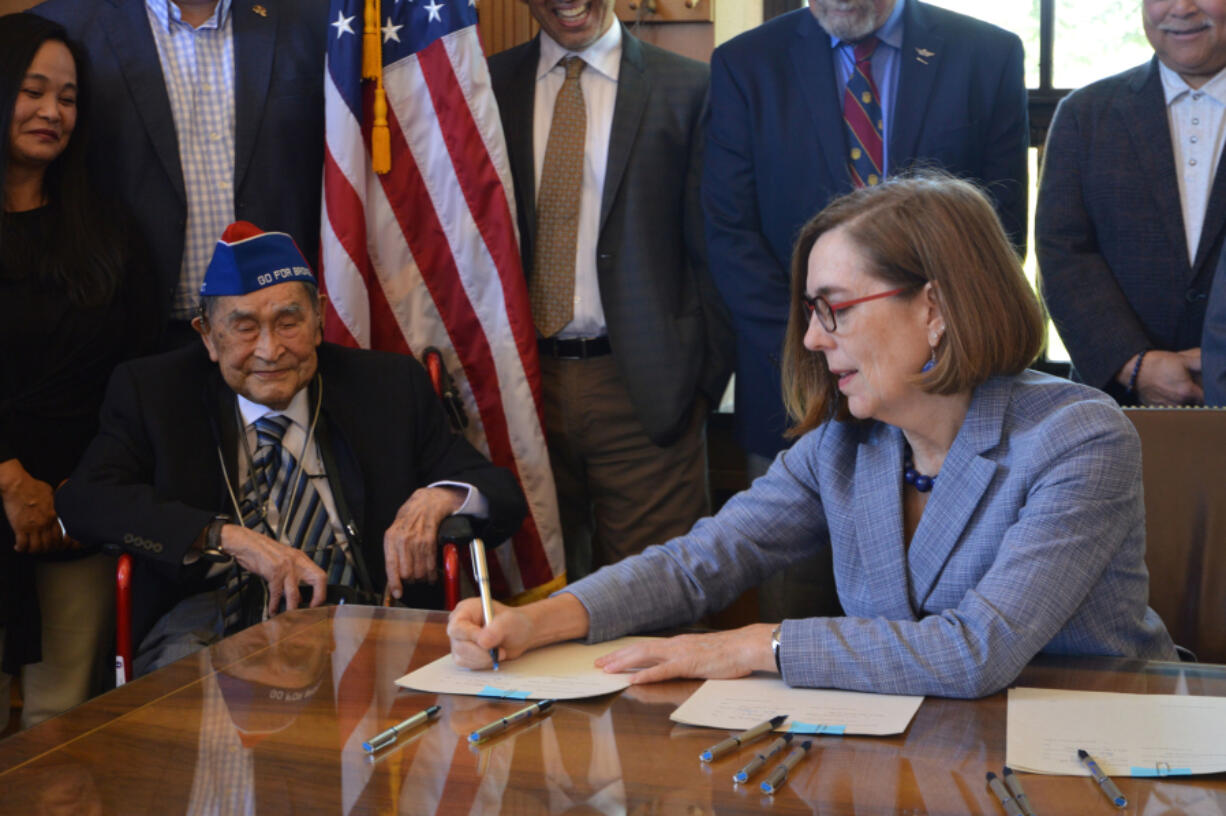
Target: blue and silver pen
[(386, 738), (720, 748), (498, 726), (1108, 787), (1006, 799), (754, 765), (1015, 787), (777, 777)]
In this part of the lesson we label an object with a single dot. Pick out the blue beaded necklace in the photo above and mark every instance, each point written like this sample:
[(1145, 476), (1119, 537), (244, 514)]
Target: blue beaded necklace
[(913, 477)]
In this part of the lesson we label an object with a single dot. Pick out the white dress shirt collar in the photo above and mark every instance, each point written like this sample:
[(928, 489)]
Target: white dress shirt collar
[(604, 55), (299, 411), (1174, 86)]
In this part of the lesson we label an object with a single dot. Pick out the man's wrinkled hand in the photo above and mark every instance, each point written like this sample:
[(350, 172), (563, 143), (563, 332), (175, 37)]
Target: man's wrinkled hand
[(410, 545), (282, 567)]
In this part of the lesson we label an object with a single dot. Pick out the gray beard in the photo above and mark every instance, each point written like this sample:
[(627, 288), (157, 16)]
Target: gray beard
[(849, 29)]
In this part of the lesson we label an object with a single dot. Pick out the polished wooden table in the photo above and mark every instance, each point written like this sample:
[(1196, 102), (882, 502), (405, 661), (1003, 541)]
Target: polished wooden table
[(272, 720)]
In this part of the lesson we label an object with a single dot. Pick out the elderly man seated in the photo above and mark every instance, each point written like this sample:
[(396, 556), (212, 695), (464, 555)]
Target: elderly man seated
[(264, 460)]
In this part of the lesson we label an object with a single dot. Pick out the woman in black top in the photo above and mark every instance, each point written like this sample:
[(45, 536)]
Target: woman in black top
[(73, 303)]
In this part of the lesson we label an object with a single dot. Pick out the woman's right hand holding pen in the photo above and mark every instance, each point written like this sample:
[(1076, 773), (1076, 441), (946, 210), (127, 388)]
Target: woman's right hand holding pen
[(514, 629)]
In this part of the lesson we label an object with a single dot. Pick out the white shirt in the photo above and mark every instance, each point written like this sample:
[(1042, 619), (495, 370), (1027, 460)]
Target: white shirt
[(198, 71), (1197, 117), (599, 84)]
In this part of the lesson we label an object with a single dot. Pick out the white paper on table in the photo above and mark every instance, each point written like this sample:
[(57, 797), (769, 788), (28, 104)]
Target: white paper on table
[(563, 671), (1127, 734), (745, 702)]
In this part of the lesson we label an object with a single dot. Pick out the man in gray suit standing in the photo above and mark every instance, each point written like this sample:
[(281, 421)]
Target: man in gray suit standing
[(604, 139), (1132, 210)]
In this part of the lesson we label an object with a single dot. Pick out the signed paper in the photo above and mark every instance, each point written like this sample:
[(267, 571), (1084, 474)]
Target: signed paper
[(563, 671), (745, 702), (1128, 734)]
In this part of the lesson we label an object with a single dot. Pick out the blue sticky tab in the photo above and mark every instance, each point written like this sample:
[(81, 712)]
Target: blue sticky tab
[(810, 728), (1135, 771), (506, 694)]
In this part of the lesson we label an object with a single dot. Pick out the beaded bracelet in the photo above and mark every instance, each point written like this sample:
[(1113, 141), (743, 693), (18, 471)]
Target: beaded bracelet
[(1136, 369)]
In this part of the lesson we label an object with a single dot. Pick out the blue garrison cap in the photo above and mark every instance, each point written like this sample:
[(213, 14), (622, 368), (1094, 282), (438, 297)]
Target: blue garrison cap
[(247, 259)]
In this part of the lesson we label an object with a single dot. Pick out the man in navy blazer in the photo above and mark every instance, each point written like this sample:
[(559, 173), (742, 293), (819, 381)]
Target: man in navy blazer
[(776, 154), (278, 124), (954, 97)]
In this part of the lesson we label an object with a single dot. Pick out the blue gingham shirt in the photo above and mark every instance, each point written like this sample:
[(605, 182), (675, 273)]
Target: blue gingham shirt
[(198, 68)]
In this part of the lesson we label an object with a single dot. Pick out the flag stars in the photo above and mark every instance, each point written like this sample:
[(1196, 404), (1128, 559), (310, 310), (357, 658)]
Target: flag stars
[(341, 24), (433, 8), (390, 32)]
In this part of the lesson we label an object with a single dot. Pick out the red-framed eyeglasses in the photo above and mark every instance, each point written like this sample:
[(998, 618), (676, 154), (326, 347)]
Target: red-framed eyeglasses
[(826, 311)]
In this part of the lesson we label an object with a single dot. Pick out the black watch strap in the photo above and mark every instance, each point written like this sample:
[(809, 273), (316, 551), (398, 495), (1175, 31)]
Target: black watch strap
[(212, 550), (775, 646)]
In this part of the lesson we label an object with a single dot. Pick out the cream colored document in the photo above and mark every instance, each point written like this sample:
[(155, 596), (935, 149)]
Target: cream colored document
[(747, 701), (563, 671), (1128, 734)]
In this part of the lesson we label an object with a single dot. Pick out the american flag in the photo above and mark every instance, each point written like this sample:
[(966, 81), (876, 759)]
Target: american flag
[(427, 254)]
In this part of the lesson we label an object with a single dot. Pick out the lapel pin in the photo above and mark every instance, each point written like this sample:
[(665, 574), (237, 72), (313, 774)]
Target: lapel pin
[(260, 10), (922, 54)]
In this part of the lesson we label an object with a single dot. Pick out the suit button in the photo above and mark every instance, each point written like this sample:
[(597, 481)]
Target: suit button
[(1194, 296), (605, 256)]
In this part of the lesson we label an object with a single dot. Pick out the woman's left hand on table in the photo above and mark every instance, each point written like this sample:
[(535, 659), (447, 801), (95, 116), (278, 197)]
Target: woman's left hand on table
[(714, 655)]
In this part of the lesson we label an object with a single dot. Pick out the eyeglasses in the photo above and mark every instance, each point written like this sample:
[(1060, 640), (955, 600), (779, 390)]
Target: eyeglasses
[(825, 310)]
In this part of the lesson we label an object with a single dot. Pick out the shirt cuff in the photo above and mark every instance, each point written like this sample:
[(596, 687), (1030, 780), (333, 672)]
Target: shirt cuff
[(475, 504)]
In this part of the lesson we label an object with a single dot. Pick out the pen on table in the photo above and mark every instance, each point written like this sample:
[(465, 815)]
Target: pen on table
[(777, 777), (1006, 799), (720, 748), (1108, 787), (754, 765), (385, 738), (498, 726), (1015, 787), (477, 548)]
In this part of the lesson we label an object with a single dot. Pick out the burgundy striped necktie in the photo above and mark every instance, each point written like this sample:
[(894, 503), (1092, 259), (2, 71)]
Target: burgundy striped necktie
[(862, 115)]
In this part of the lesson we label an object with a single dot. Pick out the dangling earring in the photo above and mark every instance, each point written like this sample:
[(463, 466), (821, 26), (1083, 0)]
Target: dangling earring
[(934, 338)]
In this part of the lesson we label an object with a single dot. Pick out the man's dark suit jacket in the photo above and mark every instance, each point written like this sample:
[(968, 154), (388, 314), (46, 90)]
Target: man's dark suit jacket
[(152, 478), (1113, 256), (278, 109), (667, 325), (776, 155), (1213, 341)]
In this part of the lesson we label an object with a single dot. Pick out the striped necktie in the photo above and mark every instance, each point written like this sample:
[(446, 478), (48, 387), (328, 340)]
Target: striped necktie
[(276, 480), (551, 288), (862, 116)]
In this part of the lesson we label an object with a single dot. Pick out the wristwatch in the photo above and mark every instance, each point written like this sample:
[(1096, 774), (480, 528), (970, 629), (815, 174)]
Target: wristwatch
[(212, 551), (775, 646)]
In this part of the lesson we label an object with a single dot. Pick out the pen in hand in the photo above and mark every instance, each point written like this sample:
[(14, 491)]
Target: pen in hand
[(477, 548), (1104, 782)]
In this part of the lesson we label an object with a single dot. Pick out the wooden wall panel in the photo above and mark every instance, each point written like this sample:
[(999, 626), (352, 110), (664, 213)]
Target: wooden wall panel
[(504, 23), (10, 6)]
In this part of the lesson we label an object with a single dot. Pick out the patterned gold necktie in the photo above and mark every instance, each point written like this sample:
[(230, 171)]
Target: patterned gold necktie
[(552, 288)]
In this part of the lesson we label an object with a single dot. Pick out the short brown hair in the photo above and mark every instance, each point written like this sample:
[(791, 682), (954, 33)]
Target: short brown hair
[(928, 227)]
